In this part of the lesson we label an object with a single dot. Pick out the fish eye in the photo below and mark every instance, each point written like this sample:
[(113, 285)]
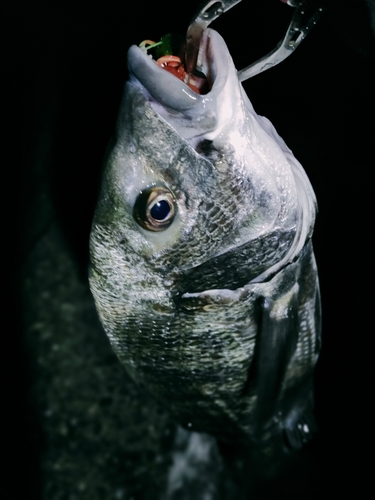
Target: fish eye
[(154, 209)]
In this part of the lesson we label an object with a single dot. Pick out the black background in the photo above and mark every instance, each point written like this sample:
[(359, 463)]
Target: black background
[(64, 68)]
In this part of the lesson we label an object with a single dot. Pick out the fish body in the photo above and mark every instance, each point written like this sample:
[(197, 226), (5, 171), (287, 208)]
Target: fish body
[(202, 266)]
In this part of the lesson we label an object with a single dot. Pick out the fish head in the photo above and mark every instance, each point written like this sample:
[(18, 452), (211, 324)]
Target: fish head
[(225, 174)]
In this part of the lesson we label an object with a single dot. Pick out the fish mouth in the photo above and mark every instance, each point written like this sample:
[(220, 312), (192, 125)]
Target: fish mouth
[(175, 94)]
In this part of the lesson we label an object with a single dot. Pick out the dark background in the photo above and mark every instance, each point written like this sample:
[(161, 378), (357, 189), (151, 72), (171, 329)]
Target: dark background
[(75, 426)]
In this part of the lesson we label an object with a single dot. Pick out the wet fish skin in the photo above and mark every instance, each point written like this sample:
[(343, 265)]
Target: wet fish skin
[(219, 314)]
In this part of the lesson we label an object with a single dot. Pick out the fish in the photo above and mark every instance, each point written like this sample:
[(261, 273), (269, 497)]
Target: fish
[(202, 266)]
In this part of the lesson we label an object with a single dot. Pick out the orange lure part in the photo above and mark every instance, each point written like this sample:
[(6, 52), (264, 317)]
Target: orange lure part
[(174, 65)]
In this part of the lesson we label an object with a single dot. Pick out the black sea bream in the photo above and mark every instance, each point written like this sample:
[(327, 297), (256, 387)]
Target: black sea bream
[(202, 269)]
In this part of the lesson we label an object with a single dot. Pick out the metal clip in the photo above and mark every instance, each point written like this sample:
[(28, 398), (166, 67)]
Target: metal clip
[(305, 17)]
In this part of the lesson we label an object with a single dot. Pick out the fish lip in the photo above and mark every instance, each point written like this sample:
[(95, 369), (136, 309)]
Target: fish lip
[(155, 80), (167, 89)]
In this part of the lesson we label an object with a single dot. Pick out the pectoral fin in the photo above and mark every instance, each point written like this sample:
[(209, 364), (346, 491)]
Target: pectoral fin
[(276, 343)]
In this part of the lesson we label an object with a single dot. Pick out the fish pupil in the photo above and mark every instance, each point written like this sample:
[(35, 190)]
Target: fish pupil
[(160, 210)]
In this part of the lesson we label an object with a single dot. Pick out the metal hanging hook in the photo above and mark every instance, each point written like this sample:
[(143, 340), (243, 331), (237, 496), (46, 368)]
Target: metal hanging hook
[(306, 15)]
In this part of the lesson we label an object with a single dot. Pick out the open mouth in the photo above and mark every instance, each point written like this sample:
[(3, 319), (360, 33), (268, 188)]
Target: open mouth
[(161, 67), (170, 54)]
